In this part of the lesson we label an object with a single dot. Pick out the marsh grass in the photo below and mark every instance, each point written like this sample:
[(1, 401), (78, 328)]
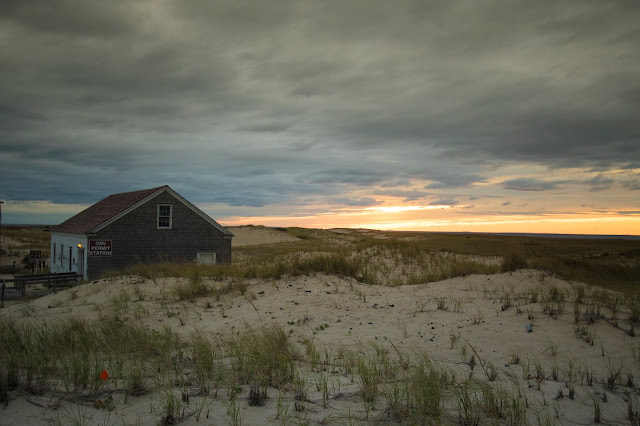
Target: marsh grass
[(134, 379), (68, 357), (74, 352), (415, 258), (262, 358), (609, 263), (171, 406), (611, 273), (370, 378), (403, 262), (64, 358), (192, 289), (504, 404), (205, 357), (417, 392), (32, 237), (468, 403), (514, 258)]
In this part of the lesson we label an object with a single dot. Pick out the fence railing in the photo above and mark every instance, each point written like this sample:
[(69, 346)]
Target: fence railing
[(20, 282)]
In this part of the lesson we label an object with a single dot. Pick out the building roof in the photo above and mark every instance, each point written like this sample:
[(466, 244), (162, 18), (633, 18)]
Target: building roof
[(116, 205)]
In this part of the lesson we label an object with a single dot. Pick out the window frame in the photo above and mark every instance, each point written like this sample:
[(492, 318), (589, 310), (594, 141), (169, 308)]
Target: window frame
[(158, 216)]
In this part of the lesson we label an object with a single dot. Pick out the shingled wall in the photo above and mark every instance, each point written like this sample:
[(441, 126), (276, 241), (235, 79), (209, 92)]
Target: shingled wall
[(135, 237)]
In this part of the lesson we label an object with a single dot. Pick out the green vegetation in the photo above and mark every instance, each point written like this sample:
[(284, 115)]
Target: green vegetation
[(67, 358), (63, 359), (397, 258), (514, 258), (29, 237)]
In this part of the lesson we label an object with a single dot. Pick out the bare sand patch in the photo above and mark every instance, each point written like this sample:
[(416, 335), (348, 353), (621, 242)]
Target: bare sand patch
[(255, 235), (345, 231)]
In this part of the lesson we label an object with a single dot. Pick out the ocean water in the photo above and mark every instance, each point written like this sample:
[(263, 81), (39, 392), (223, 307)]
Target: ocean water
[(577, 236)]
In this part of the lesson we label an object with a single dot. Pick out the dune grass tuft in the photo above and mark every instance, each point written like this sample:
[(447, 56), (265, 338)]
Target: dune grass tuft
[(514, 258)]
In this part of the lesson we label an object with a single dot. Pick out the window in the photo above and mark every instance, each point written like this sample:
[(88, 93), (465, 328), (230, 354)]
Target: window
[(206, 258), (54, 252), (61, 254), (164, 216), (70, 256)]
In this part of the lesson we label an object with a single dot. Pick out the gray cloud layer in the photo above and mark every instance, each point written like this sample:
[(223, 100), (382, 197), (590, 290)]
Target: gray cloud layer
[(253, 103)]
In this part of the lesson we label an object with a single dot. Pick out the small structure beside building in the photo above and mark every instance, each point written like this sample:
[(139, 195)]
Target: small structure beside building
[(141, 226)]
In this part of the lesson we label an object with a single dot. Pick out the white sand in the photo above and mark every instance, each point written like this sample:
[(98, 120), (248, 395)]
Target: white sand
[(255, 235), (339, 312)]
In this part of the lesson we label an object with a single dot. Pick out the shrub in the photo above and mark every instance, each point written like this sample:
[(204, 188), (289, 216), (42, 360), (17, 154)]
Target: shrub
[(514, 258)]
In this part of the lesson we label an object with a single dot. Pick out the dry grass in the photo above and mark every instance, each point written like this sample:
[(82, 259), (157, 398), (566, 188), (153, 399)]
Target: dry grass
[(64, 358), (414, 258), (369, 260)]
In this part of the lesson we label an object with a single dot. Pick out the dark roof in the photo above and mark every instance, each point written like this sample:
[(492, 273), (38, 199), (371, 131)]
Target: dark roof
[(102, 211)]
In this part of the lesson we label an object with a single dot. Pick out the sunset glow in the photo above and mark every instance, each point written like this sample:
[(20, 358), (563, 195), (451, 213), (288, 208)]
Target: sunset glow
[(399, 209), (597, 224)]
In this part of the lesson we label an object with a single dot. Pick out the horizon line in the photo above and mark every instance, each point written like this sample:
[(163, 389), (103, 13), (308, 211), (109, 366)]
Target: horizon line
[(530, 234)]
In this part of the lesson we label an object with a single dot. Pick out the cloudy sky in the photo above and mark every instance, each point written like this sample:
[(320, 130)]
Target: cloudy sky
[(429, 115)]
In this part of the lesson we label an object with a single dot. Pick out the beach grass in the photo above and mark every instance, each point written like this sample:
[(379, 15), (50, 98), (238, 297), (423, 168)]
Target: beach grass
[(399, 258)]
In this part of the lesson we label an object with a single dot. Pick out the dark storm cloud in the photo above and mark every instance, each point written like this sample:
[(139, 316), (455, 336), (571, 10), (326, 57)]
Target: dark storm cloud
[(512, 213), (266, 127), (599, 183), (452, 180), (348, 175), (444, 202), (528, 184), (484, 196), (357, 202), (633, 185), (68, 17), (254, 103), (406, 195)]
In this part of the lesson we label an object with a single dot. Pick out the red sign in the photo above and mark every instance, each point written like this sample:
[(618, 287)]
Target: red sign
[(100, 248), (104, 375)]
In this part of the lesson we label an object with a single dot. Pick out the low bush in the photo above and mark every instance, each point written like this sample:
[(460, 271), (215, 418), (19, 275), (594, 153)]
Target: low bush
[(514, 258)]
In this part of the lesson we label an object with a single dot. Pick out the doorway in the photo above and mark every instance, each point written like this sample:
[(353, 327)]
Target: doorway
[(80, 270)]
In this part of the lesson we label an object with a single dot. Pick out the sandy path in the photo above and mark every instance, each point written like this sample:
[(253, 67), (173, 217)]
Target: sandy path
[(255, 235)]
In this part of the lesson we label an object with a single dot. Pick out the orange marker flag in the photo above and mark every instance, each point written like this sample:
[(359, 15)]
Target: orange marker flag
[(104, 375)]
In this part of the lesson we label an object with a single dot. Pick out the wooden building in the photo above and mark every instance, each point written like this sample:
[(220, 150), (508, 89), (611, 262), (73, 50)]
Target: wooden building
[(141, 226)]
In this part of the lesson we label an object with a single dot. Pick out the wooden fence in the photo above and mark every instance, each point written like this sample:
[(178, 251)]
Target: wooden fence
[(20, 282)]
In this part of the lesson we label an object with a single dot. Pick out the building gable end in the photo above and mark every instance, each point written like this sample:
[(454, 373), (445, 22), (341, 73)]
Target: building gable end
[(127, 210), (154, 195)]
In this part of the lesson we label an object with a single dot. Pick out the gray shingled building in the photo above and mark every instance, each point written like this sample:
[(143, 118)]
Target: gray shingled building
[(141, 226)]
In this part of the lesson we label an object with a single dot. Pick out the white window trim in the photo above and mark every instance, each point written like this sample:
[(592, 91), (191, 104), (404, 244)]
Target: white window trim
[(170, 216)]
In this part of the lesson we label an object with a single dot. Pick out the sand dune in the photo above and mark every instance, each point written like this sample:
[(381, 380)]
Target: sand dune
[(256, 235), (565, 368)]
